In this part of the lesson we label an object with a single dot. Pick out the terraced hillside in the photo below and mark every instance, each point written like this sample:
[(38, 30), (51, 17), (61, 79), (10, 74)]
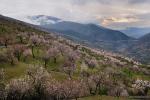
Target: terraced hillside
[(36, 65)]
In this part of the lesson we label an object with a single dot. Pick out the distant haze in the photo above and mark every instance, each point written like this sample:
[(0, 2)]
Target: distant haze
[(136, 32)]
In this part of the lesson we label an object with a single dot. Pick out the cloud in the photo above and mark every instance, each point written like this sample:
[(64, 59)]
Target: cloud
[(111, 12), (83, 2), (139, 20), (110, 20), (138, 1)]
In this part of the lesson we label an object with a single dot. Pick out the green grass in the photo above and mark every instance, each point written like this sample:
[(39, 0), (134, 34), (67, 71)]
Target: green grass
[(14, 71), (135, 75), (128, 72), (19, 69), (143, 77), (58, 75), (103, 98)]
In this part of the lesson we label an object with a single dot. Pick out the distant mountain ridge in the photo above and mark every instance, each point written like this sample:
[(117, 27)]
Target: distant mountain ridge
[(136, 32), (49, 21), (90, 32), (145, 38)]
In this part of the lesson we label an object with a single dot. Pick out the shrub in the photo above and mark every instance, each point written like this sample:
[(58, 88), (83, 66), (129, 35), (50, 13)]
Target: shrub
[(99, 83), (53, 53), (18, 51), (92, 63), (34, 41), (27, 53), (20, 89), (2, 85), (69, 68), (118, 91), (3, 58), (10, 56)]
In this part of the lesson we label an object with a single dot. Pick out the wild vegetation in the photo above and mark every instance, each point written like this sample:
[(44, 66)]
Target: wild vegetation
[(35, 65)]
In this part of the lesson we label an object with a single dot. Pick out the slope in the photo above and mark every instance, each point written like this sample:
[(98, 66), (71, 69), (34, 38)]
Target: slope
[(37, 65)]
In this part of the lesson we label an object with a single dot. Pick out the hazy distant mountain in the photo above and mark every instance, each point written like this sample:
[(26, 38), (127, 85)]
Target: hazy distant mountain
[(140, 49), (136, 32), (90, 32), (145, 38)]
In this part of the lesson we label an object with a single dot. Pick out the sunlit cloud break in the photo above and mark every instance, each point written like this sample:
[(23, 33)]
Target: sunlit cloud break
[(110, 20)]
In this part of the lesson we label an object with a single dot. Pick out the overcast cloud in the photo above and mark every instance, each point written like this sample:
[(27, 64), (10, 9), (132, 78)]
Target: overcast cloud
[(109, 13)]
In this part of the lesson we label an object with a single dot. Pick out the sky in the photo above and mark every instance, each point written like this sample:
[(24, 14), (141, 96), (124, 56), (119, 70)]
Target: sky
[(115, 14)]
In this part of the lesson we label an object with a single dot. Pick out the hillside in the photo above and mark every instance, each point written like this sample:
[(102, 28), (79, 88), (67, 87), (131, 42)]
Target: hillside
[(35, 65), (9, 25), (145, 38), (140, 50)]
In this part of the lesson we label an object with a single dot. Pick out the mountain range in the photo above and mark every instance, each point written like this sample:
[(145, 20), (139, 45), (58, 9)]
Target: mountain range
[(95, 36), (91, 34)]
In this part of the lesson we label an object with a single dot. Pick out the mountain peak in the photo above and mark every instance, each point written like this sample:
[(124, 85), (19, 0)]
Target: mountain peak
[(43, 19)]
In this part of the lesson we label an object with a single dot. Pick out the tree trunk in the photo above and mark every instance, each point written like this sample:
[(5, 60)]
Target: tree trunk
[(97, 85), (12, 62), (45, 63), (99, 89), (21, 40), (5, 45), (33, 52), (18, 56), (55, 59)]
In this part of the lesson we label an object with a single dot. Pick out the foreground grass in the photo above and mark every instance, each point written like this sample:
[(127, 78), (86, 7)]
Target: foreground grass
[(103, 98), (14, 71)]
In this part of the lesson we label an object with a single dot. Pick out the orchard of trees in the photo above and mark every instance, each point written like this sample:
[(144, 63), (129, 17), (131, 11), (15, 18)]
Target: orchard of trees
[(41, 52)]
